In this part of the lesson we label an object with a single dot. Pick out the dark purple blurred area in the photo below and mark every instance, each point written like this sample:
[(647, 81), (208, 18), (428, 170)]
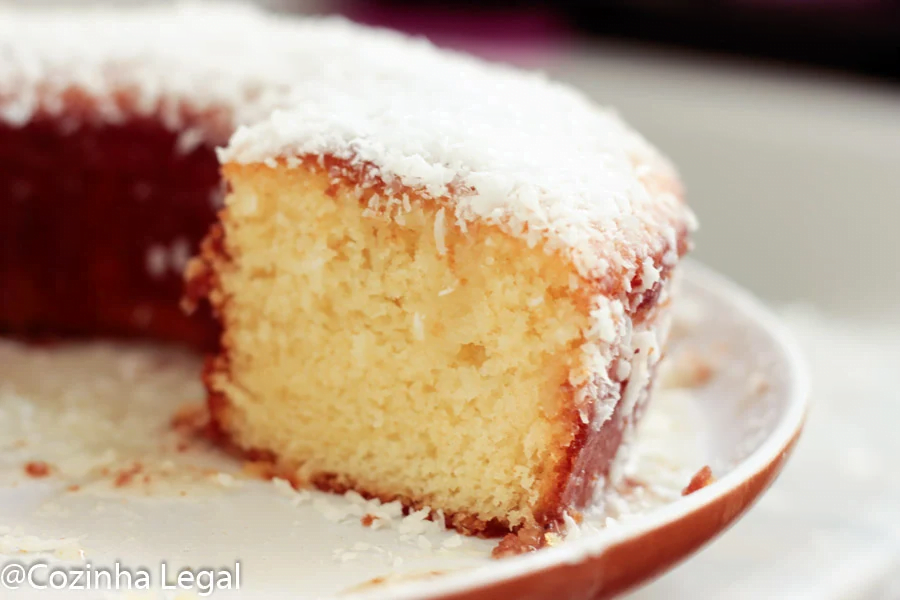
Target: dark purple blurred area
[(859, 36)]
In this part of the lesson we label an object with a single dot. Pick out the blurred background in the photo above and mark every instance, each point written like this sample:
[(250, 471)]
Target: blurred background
[(784, 118)]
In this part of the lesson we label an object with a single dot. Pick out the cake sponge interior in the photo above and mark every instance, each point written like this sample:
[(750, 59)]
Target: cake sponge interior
[(373, 345)]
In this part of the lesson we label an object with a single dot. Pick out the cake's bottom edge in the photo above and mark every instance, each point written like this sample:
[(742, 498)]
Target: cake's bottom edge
[(267, 465)]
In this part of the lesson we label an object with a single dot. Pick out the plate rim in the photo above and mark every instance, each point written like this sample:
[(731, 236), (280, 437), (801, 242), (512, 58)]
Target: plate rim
[(743, 484)]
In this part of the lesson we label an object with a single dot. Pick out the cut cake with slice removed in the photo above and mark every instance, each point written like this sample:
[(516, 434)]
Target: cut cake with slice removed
[(436, 279)]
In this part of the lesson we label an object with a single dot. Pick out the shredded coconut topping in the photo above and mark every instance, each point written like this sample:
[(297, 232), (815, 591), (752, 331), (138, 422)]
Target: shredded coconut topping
[(513, 148)]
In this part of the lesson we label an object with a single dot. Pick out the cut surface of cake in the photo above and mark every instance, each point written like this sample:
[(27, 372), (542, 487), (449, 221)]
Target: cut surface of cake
[(433, 279)]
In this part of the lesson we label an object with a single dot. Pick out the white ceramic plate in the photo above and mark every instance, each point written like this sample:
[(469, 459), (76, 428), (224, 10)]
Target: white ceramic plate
[(124, 486)]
